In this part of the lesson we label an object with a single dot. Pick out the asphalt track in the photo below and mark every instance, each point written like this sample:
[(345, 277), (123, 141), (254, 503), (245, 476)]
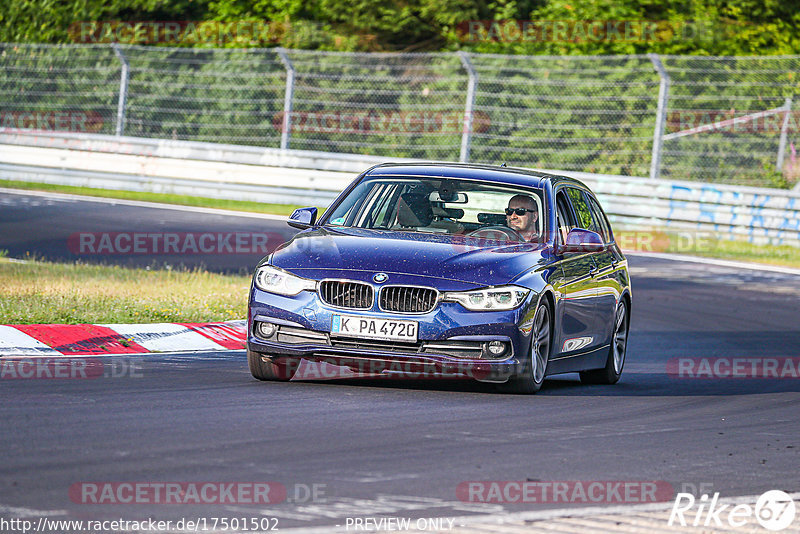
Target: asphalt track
[(49, 226), (377, 448)]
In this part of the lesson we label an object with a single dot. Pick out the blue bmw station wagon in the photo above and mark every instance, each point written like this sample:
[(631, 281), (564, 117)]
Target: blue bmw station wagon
[(444, 270)]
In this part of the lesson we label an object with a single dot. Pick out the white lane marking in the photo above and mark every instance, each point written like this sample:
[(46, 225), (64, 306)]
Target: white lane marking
[(18, 511), (368, 478), (712, 261), (142, 204), (339, 509), (483, 520), (16, 343), (165, 337)]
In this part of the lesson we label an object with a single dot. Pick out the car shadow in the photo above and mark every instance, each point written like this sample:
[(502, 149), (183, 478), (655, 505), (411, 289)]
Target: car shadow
[(660, 364), (630, 385)]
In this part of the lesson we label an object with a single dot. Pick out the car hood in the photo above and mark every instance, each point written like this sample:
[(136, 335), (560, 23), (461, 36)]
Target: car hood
[(463, 258)]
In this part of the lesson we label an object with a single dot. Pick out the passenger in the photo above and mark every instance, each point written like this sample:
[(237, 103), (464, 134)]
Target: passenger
[(522, 216)]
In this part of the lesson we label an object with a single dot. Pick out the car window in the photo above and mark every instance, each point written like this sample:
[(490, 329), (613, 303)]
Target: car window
[(431, 205), (564, 219), (600, 219), (582, 211)]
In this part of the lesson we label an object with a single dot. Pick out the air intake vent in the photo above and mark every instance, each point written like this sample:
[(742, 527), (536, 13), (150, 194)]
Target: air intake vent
[(408, 299), (346, 294)]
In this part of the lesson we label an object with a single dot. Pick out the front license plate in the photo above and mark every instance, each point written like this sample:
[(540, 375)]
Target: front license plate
[(373, 328)]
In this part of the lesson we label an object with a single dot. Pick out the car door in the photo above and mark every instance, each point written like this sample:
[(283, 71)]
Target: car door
[(578, 323), (594, 264), (609, 282)]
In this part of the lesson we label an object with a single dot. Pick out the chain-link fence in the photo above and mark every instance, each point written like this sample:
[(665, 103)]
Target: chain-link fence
[(680, 117)]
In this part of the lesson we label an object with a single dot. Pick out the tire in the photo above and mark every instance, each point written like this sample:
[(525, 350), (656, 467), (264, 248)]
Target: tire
[(532, 378), (616, 352), (262, 370)]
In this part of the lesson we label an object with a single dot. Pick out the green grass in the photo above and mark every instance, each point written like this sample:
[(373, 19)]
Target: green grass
[(41, 292), (183, 200), (783, 255), (706, 245)]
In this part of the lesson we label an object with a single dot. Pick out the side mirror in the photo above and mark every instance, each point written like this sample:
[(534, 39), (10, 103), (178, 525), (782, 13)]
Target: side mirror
[(303, 218), (580, 240)]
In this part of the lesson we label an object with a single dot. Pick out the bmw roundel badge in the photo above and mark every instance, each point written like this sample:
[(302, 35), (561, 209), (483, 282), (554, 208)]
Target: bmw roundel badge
[(380, 278)]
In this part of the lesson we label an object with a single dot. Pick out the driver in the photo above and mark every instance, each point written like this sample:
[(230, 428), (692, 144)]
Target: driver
[(522, 216)]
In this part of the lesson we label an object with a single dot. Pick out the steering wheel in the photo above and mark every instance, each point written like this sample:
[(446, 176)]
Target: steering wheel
[(497, 232)]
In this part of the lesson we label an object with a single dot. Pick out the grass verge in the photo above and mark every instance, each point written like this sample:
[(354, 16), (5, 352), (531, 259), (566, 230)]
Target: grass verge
[(41, 292), (784, 255), (164, 198), (706, 244)]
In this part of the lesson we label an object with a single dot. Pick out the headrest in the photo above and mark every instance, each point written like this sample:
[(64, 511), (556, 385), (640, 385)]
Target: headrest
[(414, 210)]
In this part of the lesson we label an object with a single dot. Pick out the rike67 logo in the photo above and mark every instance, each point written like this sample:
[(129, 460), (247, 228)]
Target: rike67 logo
[(774, 510)]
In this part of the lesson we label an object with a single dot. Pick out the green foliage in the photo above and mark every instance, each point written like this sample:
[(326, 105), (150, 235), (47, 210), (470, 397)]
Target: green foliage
[(572, 113), (704, 27), (49, 21)]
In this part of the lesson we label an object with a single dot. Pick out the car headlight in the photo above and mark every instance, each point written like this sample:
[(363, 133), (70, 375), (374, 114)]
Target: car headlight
[(274, 280), (493, 298)]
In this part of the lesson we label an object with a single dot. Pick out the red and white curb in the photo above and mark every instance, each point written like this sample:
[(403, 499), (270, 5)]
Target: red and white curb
[(109, 339)]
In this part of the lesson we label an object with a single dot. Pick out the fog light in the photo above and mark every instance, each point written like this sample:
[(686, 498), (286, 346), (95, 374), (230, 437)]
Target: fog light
[(496, 348), (266, 330)]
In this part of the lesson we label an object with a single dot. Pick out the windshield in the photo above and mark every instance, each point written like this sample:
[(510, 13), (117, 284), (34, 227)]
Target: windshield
[(412, 204)]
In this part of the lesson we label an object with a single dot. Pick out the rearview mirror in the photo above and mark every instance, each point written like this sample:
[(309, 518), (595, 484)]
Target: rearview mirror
[(449, 197), (580, 240), (303, 218)]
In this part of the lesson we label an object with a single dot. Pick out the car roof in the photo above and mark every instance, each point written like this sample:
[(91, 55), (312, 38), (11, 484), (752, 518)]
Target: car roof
[(472, 171)]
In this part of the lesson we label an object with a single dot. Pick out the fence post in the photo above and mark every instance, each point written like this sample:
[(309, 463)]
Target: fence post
[(466, 131), (661, 116), (287, 99), (787, 105), (123, 89)]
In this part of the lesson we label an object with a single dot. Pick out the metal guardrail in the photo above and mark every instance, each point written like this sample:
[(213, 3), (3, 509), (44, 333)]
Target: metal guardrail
[(314, 178), (677, 117), (728, 212)]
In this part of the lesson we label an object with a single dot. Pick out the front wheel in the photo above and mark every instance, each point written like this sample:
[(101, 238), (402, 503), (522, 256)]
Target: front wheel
[(532, 377), (616, 353), (268, 370)]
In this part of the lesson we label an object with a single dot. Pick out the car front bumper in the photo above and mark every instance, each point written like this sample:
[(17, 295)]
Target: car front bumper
[(452, 341)]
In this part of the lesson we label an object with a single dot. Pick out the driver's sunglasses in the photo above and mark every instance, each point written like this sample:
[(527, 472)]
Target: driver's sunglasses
[(518, 211)]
